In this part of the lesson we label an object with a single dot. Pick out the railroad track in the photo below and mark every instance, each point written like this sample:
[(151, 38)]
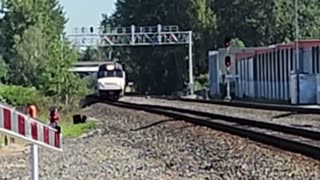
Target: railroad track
[(306, 142), (246, 104)]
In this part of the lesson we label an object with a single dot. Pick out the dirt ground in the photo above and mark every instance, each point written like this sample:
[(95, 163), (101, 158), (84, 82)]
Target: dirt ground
[(15, 148)]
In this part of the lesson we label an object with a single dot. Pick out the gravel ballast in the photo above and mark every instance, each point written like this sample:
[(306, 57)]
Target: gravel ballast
[(137, 145), (308, 121)]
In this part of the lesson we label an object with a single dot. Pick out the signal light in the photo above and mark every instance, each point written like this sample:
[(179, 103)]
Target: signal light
[(227, 61), (91, 29), (227, 42)]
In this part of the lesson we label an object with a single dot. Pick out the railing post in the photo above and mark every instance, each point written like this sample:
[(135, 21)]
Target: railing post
[(34, 149)]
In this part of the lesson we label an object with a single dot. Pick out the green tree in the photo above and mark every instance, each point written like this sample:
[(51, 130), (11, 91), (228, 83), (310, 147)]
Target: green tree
[(164, 69), (259, 22), (250, 20), (309, 19), (237, 43), (57, 80), (27, 29), (3, 71), (28, 64), (32, 48), (93, 54), (46, 15)]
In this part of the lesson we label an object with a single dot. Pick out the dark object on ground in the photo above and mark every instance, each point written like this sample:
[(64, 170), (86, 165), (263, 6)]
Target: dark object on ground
[(78, 118)]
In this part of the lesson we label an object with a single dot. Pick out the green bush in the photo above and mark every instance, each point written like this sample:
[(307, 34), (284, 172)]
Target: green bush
[(17, 95), (202, 82)]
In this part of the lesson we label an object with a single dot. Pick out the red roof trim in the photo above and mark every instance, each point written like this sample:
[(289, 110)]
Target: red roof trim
[(262, 51), (308, 44), (284, 46), (243, 55), (302, 44)]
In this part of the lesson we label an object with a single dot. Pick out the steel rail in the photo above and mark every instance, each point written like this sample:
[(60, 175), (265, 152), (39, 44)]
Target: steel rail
[(247, 104), (242, 121), (197, 118)]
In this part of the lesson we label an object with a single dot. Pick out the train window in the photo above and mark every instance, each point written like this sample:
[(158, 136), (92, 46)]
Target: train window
[(115, 73), (118, 73)]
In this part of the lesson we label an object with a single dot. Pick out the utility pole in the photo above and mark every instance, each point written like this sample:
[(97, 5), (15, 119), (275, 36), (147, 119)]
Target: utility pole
[(227, 61), (297, 67)]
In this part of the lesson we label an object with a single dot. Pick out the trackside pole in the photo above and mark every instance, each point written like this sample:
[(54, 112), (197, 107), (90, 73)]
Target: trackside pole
[(191, 81), (228, 79), (34, 162), (34, 149), (228, 97), (228, 85), (228, 90)]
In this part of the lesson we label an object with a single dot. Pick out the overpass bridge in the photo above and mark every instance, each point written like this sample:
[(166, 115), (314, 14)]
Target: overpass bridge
[(86, 66)]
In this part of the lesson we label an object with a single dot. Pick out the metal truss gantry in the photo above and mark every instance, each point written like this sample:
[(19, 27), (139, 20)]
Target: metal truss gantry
[(134, 36)]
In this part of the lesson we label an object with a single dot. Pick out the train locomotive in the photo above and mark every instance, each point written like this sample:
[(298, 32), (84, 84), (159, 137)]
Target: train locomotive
[(110, 81)]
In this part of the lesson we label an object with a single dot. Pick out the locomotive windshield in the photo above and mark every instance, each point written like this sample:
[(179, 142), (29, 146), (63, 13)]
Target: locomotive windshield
[(106, 73), (110, 70)]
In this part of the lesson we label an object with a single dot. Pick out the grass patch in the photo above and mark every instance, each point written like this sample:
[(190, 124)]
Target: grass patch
[(21, 96), (70, 130)]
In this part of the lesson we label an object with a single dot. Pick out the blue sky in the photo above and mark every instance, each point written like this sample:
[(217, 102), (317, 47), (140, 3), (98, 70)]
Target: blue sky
[(86, 12)]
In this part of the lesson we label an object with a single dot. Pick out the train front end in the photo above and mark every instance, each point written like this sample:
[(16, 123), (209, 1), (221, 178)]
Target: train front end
[(110, 81)]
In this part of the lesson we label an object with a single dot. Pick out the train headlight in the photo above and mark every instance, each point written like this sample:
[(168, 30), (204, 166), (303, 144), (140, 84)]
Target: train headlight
[(110, 67)]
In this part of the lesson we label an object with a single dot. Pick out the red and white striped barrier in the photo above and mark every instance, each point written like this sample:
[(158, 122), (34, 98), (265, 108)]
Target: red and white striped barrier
[(17, 124)]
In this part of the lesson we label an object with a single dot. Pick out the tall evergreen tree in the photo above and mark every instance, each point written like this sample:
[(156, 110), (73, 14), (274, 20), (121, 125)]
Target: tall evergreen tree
[(33, 48), (164, 69), (26, 24)]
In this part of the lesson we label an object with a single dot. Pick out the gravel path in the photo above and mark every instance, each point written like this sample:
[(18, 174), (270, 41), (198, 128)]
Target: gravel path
[(308, 121), (137, 145)]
